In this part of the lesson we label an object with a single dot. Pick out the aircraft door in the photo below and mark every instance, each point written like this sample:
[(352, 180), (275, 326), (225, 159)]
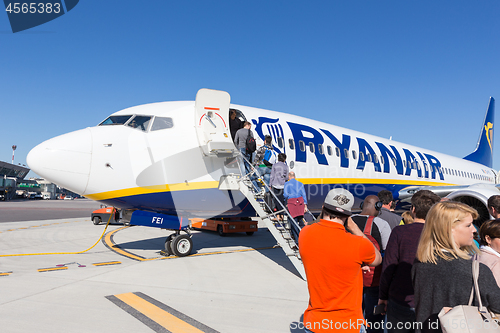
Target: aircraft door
[(212, 122)]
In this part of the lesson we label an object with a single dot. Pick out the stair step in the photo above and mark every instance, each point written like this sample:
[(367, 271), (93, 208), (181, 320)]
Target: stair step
[(280, 230)]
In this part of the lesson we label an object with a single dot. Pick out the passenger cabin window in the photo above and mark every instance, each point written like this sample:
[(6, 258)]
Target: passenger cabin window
[(361, 156), (115, 120), (311, 147), (329, 149), (354, 154), (375, 158), (337, 151), (291, 144), (382, 160), (346, 153), (162, 123), (140, 122), (302, 145), (368, 157), (280, 142), (320, 149)]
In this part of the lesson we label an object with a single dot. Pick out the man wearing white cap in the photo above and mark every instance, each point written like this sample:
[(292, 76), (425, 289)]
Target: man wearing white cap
[(332, 260)]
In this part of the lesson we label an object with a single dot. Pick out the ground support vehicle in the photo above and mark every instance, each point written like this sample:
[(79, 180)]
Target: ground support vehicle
[(226, 225), (102, 215)]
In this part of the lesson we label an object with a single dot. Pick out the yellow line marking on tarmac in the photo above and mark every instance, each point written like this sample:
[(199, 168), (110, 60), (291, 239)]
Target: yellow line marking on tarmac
[(5, 273), (52, 269), (217, 252), (110, 244), (158, 315), (107, 263)]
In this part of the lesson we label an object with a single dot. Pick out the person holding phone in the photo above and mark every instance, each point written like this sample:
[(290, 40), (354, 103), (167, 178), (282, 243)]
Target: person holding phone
[(332, 259)]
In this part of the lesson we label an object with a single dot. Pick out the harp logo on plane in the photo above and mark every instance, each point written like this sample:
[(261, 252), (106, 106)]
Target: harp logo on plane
[(29, 14), (489, 134)]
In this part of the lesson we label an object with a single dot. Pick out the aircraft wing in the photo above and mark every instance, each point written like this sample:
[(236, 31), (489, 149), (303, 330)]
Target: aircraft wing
[(475, 195)]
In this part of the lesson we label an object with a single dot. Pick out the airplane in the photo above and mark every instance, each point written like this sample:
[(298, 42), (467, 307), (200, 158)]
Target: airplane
[(164, 163)]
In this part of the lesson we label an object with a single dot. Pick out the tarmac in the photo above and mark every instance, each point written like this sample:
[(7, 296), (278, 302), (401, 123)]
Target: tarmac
[(236, 283)]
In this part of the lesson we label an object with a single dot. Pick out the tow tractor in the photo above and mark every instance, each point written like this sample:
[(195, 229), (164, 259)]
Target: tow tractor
[(102, 215), (225, 226)]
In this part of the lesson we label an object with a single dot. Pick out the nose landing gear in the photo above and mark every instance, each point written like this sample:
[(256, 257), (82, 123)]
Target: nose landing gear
[(178, 244)]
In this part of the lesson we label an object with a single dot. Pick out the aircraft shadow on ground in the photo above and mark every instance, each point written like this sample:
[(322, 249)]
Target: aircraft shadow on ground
[(262, 240)]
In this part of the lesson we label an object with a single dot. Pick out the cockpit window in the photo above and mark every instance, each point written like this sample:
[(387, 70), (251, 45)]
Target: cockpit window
[(140, 122), (162, 123), (115, 120)]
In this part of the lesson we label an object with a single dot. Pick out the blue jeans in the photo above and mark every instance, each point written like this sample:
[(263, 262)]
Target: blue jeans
[(265, 173), (370, 300), (246, 168)]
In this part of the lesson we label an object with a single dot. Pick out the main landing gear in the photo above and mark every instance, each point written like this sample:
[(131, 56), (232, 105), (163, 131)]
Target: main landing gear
[(178, 244)]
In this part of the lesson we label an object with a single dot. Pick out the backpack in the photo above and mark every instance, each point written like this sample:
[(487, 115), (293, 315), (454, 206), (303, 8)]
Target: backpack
[(371, 278), (250, 143), (269, 157)]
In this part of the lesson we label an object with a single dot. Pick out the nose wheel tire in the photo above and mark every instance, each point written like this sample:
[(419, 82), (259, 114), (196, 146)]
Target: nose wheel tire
[(220, 231), (168, 246), (182, 245)]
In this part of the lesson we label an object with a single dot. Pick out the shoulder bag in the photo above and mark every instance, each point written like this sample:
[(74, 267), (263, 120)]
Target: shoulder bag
[(469, 318)]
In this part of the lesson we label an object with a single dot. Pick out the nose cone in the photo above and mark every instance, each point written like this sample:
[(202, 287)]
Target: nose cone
[(64, 160)]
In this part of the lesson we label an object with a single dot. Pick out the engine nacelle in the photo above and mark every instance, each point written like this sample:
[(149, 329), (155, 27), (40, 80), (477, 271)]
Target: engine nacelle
[(476, 196)]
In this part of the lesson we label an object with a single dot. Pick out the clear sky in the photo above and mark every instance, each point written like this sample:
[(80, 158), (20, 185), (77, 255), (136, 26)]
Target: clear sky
[(419, 71)]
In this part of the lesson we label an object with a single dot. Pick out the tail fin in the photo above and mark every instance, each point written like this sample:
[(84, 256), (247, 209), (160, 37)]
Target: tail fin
[(483, 153)]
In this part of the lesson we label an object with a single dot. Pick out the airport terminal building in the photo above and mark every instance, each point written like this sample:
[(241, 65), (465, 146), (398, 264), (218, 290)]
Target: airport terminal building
[(14, 185), (10, 176)]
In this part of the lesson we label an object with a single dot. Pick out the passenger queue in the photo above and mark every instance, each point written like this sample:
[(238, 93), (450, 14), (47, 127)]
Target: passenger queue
[(377, 271)]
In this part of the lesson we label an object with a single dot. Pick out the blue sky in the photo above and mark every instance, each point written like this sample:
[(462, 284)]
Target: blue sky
[(419, 71)]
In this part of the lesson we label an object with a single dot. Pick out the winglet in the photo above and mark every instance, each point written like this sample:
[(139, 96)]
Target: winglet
[(483, 153)]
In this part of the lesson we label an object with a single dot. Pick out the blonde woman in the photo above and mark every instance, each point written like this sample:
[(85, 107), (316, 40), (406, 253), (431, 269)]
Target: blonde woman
[(442, 273), (407, 218)]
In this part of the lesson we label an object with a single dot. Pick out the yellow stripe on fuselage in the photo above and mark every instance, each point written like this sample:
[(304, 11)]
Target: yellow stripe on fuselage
[(214, 184), (153, 189)]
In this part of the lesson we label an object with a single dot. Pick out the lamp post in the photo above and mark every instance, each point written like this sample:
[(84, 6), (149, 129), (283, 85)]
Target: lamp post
[(13, 149)]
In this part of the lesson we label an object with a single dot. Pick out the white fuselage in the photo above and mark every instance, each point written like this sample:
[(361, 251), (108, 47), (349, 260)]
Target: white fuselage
[(166, 169)]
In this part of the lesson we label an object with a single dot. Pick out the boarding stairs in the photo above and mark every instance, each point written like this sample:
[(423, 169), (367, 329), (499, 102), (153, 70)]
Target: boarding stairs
[(285, 231), (214, 137)]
